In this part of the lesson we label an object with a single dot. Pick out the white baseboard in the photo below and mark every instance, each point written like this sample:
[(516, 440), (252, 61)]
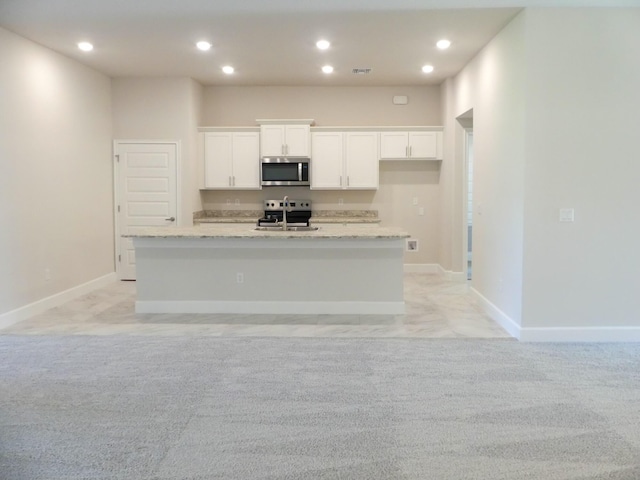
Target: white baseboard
[(556, 334), (35, 308), (301, 308), (498, 315), (581, 334), (421, 268), (453, 276)]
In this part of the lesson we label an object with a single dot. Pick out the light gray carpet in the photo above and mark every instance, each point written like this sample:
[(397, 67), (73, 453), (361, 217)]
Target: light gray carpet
[(125, 407)]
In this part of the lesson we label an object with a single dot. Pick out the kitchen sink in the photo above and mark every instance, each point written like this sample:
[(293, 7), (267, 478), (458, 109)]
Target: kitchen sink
[(289, 229)]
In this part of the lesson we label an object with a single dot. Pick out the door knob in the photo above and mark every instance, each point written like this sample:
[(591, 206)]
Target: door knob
[(171, 219)]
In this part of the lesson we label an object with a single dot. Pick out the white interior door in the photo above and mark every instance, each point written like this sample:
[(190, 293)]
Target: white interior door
[(146, 195)]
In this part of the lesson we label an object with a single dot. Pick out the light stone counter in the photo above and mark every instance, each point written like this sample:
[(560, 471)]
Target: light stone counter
[(344, 220), (218, 220), (346, 217), (313, 220), (243, 230)]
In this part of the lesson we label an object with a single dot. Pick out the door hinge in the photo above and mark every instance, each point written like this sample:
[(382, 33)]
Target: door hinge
[(118, 208), (119, 258), (117, 158)]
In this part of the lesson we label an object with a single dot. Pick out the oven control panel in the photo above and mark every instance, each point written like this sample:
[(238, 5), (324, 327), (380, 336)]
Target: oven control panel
[(275, 205)]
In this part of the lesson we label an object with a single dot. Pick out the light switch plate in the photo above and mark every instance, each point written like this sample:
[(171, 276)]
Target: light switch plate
[(567, 215)]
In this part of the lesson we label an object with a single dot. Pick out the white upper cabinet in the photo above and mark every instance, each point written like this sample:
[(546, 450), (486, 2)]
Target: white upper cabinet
[(327, 160), (288, 140), (344, 160), (362, 160), (231, 160), (416, 145)]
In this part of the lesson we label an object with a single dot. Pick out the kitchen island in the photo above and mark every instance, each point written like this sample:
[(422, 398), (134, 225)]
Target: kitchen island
[(336, 269)]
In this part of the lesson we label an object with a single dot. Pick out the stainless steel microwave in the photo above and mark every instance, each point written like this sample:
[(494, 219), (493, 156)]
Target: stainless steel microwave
[(284, 171)]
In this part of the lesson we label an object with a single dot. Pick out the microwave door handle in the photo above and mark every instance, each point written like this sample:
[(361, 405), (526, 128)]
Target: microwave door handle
[(299, 171)]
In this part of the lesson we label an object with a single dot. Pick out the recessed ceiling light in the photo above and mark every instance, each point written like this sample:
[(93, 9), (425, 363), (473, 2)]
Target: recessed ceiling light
[(228, 69), (323, 44), (204, 46), (427, 68), (443, 44), (327, 69), (85, 46)]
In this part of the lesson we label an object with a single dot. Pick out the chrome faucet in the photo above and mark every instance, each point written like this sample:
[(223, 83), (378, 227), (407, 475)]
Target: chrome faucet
[(285, 209)]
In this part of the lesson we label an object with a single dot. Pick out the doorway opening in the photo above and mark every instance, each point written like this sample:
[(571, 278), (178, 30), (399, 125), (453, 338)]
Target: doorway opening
[(466, 123), (469, 203)]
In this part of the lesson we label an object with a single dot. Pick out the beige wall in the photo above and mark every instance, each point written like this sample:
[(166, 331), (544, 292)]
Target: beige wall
[(551, 133), (582, 152), (163, 109), (328, 106), (400, 182), (55, 173), (492, 84)]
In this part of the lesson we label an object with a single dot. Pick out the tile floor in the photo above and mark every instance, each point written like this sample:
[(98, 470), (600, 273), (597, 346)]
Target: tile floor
[(435, 307)]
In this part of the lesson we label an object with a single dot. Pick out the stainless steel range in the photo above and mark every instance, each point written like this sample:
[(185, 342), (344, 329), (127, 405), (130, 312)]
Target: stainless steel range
[(298, 213)]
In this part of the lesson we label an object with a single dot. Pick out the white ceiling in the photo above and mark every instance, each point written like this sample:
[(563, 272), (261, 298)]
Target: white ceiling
[(269, 42)]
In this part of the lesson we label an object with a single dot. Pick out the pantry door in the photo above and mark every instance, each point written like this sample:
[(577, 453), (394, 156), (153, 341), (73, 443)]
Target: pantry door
[(146, 194)]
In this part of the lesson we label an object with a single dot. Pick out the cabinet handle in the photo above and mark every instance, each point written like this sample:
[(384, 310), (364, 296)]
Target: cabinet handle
[(347, 180), (233, 179), (171, 219), (406, 151), (340, 180), (229, 181), (410, 150)]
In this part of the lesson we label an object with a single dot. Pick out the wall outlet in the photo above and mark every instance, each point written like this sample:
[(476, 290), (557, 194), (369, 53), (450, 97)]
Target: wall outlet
[(237, 201), (340, 201), (412, 245), (228, 201), (415, 200), (421, 211), (239, 277)]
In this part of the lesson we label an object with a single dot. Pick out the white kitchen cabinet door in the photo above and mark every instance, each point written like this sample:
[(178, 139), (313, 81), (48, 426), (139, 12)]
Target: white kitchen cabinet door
[(288, 140), (423, 145), (417, 145), (246, 160), (327, 160), (361, 160), (297, 140), (218, 153), (232, 160), (394, 145), (272, 140)]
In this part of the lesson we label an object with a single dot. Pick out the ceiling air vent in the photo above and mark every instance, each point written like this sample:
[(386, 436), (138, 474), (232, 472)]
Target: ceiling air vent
[(361, 71)]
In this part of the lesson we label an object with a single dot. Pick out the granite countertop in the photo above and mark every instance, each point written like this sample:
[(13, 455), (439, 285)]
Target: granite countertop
[(252, 220), (248, 231), (344, 219), (315, 220)]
